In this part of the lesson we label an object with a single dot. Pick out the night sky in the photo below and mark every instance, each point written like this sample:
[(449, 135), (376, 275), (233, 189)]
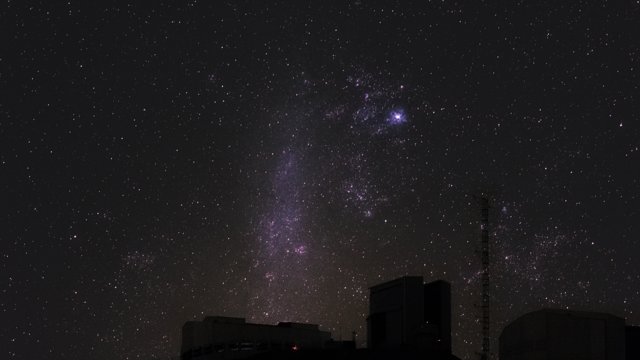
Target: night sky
[(272, 160)]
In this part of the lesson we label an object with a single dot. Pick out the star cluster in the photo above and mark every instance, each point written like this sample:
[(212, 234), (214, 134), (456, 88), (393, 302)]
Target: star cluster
[(272, 161)]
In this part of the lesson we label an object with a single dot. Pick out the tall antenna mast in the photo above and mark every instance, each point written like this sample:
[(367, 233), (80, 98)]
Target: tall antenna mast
[(486, 288)]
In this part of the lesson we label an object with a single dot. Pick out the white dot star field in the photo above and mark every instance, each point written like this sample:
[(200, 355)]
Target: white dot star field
[(161, 163)]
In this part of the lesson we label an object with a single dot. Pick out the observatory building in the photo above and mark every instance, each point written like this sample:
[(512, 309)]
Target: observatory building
[(219, 337), (406, 313), (562, 334)]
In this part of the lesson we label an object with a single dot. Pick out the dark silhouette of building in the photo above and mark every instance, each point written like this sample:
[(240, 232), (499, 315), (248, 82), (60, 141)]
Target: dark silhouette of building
[(406, 313), (632, 342), (218, 337), (562, 334), (437, 313), (408, 321), (356, 354)]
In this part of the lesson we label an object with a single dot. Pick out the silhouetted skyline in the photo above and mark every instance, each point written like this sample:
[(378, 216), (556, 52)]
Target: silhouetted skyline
[(161, 162), (409, 319)]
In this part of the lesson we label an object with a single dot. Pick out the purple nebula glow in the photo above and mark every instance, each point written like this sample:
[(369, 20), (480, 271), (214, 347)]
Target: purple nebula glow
[(300, 250)]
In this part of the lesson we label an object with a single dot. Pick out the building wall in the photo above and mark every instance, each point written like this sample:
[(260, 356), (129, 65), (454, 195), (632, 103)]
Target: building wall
[(632, 342), (406, 313), (437, 311), (413, 315), (559, 334), (233, 338), (396, 312)]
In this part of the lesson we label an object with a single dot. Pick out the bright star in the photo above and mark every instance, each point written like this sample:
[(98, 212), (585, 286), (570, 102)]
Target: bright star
[(396, 117)]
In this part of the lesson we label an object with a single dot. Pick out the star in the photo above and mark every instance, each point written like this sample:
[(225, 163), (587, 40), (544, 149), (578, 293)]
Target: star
[(396, 117)]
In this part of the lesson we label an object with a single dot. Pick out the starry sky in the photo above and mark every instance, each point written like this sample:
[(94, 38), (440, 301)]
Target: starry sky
[(272, 160)]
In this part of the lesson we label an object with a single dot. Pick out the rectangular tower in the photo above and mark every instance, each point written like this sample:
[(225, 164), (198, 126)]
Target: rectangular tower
[(406, 313)]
